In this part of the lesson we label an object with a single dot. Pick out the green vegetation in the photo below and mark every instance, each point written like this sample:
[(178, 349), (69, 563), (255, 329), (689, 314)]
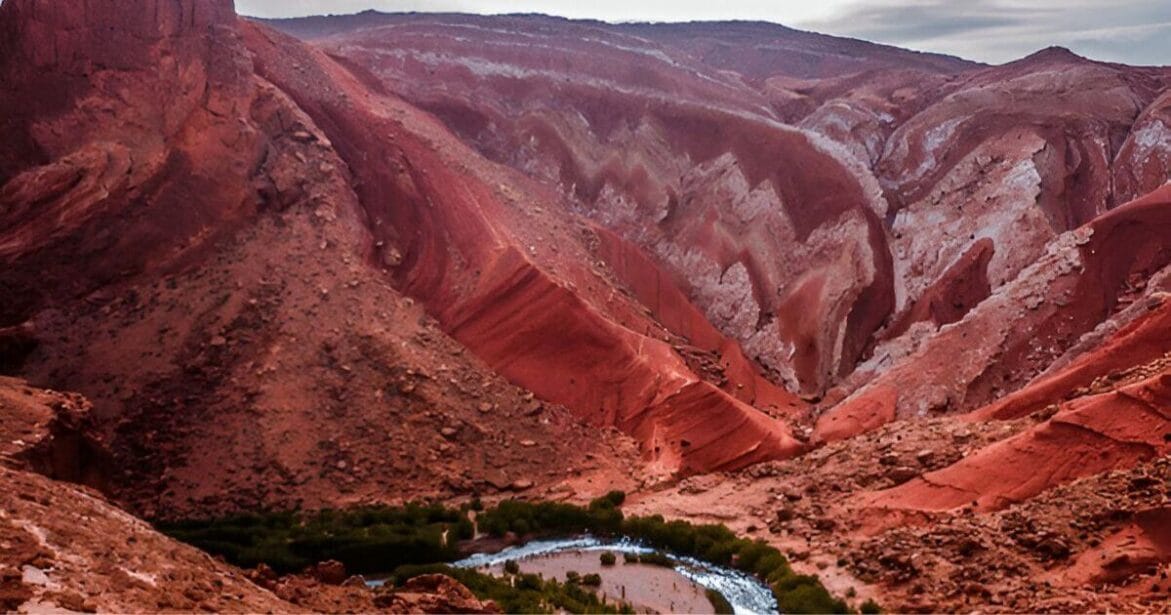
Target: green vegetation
[(608, 558), (796, 594), (552, 518), (656, 559), (592, 579), (806, 594), (630, 558), (523, 593), (382, 539), (366, 540), (720, 604), (870, 607), (511, 567)]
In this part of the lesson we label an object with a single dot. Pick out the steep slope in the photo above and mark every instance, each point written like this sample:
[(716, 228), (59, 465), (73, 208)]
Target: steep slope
[(183, 268), (1084, 278), (470, 253), (678, 159), (219, 234), (920, 194), (1087, 436), (67, 547)]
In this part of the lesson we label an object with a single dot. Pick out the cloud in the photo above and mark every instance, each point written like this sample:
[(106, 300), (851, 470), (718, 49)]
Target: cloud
[(919, 20), (1131, 31)]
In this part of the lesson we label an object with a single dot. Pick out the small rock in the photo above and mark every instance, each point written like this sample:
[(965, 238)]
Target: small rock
[(330, 572), (902, 474), (1053, 548), (521, 484), (31, 575), (825, 524)]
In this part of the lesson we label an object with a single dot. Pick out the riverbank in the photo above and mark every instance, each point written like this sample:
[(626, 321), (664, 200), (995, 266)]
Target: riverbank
[(646, 588), (402, 542), (680, 588)]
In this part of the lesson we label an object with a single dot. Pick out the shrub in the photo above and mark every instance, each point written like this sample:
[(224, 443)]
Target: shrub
[(379, 539), (404, 573), (608, 558), (511, 567), (529, 581), (614, 499), (720, 604), (592, 579), (630, 558), (572, 576), (870, 607), (529, 595), (806, 594), (657, 559)]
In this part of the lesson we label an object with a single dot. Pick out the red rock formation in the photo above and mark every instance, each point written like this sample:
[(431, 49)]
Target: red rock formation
[(522, 302), (100, 181), (1146, 339), (981, 172), (433, 593), (431, 256), (1141, 547), (135, 185), (1022, 329), (1088, 436), (662, 296), (1142, 163), (672, 156)]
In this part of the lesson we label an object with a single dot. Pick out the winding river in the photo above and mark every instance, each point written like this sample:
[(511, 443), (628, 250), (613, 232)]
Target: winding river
[(745, 593)]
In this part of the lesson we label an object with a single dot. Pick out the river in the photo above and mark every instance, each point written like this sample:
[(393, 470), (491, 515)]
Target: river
[(745, 593)]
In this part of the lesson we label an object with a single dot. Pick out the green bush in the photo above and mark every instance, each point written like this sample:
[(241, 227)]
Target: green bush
[(402, 574), (720, 604), (511, 567), (806, 594), (410, 538), (614, 499), (530, 594), (529, 581), (630, 558), (367, 540), (608, 558), (592, 580), (870, 607), (656, 559)]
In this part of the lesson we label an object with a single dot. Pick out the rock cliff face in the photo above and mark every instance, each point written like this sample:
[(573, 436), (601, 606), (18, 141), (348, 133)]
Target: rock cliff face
[(206, 153), (433, 256), (922, 190)]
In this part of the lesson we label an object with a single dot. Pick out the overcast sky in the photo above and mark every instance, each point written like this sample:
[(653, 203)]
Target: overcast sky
[(1131, 31)]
